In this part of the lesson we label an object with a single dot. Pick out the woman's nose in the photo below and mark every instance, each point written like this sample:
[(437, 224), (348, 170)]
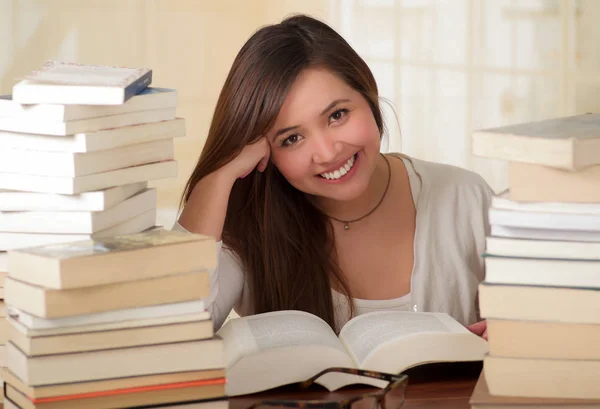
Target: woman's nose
[(326, 149)]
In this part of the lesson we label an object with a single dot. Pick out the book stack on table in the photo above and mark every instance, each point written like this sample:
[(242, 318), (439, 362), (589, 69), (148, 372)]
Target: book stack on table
[(540, 295), (111, 323)]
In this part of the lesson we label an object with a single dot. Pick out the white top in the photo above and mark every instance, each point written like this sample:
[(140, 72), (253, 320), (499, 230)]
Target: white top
[(451, 225)]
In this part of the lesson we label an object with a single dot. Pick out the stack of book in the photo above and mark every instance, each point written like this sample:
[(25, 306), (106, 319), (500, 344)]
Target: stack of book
[(116, 322), (78, 146), (540, 294)]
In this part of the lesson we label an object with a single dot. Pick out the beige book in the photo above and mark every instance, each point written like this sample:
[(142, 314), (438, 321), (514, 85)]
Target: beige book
[(50, 391), (536, 183), (35, 162), (482, 399), (149, 99), (292, 346), (134, 399), (548, 340), (78, 222), (539, 303), (49, 303), (87, 183), (113, 259), (115, 363), (113, 339), (542, 378), (570, 143)]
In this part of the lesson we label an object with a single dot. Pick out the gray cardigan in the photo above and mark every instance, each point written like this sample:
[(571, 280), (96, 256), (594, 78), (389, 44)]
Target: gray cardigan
[(452, 223)]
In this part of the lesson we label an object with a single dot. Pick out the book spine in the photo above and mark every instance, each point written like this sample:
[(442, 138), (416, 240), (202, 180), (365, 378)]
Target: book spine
[(138, 85)]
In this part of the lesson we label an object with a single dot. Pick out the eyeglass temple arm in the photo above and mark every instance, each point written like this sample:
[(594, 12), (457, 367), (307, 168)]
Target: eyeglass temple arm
[(352, 371)]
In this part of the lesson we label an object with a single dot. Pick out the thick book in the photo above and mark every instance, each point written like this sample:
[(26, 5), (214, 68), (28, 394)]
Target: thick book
[(59, 82), (49, 303), (481, 398), (538, 303), (536, 183), (78, 222), (141, 223), (77, 388), (149, 99), (291, 346), (86, 125), (544, 220), (116, 363), (545, 234), (97, 140), (109, 317), (105, 326), (506, 201), (552, 272), (542, 378), (97, 181), (11, 200), (571, 143), (515, 247), (113, 259), (111, 339), (544, 340), (67, 164), (136, 397)]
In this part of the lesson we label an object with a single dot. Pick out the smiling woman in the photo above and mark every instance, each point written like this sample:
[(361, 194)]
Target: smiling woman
[(310, 215)]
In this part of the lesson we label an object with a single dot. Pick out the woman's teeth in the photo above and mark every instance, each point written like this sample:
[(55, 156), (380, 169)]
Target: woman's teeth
[(341, 171)]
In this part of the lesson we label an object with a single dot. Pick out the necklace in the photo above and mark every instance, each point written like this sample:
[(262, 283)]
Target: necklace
[(347, 222)]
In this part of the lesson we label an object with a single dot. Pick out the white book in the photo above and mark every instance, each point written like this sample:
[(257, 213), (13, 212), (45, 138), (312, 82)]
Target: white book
[(78, 222), (81, 164), (80, 184), (137, 224), (149, 99), (11, 200), (504, 202), (97, 140), (517, 247), (544, 220), (58, 82), (542, 272), (129, 314), (107, 326), (86, 125), (545, 234), (3, 262)]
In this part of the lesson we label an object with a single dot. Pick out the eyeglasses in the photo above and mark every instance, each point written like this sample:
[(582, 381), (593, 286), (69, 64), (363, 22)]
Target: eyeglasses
[(391, 397)]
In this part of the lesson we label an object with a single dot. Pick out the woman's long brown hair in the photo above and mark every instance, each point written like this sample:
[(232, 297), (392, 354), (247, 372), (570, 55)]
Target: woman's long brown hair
[(285, 244)]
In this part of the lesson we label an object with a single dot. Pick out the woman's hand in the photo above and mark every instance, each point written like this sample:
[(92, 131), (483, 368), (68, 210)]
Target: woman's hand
[(479, 328), (253, 156)]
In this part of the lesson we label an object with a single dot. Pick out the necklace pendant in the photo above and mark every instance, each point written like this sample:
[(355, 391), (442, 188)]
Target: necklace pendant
[(346, 227)]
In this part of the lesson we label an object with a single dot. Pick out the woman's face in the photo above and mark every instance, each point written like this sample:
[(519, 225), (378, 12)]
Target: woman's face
[(325, 140)]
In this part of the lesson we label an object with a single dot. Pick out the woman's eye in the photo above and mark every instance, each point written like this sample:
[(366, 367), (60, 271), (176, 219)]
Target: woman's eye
[(339, 114), (290, 140)]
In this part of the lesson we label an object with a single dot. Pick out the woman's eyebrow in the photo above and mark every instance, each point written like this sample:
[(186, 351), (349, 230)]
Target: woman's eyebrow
[(333, 104), (329, 107)]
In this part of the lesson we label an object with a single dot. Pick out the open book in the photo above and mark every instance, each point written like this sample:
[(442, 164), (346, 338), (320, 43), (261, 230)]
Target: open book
[(268, 350)]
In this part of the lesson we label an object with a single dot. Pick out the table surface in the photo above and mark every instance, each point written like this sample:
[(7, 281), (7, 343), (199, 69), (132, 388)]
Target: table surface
[(440, 387)]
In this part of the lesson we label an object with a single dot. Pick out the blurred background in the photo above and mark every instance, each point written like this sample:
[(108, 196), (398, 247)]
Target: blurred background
[(445, 67)]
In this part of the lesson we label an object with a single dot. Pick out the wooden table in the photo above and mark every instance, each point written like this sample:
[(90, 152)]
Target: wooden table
[(442, 387)]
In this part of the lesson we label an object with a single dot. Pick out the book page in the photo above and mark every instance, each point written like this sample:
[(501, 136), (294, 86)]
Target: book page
[(247, 335), (364, 333)]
